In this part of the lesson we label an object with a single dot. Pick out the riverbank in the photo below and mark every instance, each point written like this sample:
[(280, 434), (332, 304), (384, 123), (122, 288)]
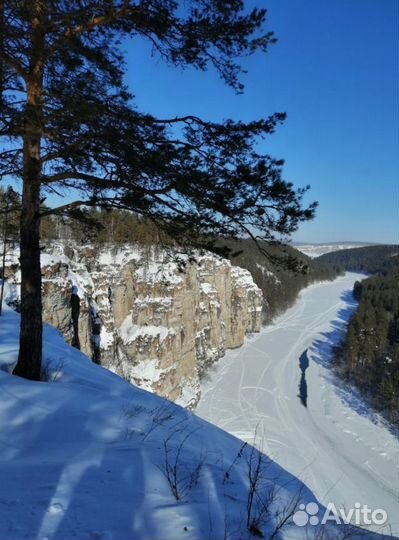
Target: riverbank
[(341, 451)]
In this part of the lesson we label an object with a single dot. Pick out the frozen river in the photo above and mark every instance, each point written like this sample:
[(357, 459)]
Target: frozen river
[(278, 386)]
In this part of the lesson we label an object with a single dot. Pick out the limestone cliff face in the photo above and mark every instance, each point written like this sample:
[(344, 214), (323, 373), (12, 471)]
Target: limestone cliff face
[(156, 317)]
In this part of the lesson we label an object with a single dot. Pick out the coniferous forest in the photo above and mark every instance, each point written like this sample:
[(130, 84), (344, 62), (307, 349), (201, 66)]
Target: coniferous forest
[(369, 356)]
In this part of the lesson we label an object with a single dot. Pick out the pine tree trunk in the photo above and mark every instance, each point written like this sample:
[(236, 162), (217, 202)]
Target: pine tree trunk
[(30, 343), (3, 264)]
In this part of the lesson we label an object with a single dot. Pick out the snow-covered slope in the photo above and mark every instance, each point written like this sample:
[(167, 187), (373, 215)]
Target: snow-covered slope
[(315, 250), (87, 456)]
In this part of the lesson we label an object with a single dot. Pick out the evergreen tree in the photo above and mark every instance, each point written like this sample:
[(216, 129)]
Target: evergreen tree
[(69, 122), (357, 290), (369, 357), (9, 211)]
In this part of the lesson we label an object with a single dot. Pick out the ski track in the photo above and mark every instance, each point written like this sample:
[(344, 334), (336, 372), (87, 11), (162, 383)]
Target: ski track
[(343, 456)]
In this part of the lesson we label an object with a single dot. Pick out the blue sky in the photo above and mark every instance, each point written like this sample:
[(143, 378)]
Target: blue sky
[(335, 71)]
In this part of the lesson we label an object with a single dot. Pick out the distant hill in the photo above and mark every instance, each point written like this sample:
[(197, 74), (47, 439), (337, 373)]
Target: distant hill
[(316, 250), (377, 259)]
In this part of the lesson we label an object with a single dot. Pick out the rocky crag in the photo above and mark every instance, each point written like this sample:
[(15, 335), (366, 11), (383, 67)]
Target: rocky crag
[(157, 317)]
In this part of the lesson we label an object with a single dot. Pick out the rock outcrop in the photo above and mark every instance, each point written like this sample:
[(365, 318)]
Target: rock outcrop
[(157, 317)]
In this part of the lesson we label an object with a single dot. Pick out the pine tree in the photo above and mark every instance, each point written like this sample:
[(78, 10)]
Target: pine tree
[(9, 210), (69, 122)]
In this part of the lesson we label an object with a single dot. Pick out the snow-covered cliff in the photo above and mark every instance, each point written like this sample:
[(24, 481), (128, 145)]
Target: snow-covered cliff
[(157, 317)]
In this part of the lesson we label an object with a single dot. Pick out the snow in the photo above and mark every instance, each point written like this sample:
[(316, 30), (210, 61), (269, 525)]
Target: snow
[(342, 451), (147, 372), (120, 256), (162, 302), (251, 309), (189, 395), (268, 273), (243, 278), (159, 272), (106, 338), (213, 258), (316, 250), (208, 288), (129, 332), (81, 280), (211, 292), (86, 456)]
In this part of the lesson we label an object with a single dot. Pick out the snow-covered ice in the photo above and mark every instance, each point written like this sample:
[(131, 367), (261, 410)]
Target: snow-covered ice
[(335, 445)]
